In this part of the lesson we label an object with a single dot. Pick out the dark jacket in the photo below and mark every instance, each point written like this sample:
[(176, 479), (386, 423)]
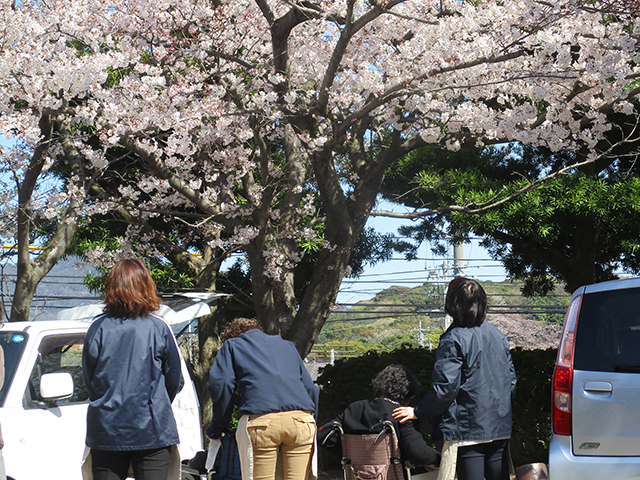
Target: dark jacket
[(360, 416), (267, 372), (132, 370), (473, 384)]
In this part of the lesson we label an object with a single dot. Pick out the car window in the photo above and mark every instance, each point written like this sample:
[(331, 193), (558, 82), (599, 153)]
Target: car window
[(608, 332), (12, 344), (58, 353)]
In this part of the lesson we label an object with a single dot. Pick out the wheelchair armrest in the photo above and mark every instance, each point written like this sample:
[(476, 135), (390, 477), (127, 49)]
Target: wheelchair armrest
[(334, 427)]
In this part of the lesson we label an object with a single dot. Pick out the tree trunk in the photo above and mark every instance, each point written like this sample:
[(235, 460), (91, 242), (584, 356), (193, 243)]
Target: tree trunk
[(346, 217), (30, 273)]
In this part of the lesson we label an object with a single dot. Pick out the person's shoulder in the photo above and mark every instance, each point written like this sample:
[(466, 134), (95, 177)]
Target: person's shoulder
[(493, 329), (98, 319), (158, 323), (456, 341), (250, 336), (96, 323), (455, 335), (383, 406), (359, 407), (271, 338), (158, 320), (251, 339)]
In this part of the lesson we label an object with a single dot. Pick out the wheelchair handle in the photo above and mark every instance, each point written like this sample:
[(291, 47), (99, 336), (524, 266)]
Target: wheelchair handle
[(386, 425)]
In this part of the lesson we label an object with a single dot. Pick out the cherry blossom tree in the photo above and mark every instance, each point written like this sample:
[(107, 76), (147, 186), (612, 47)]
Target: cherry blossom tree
[(266, 126)]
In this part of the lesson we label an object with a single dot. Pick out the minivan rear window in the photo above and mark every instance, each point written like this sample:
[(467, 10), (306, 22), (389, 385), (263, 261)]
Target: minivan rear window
[(608, 332)]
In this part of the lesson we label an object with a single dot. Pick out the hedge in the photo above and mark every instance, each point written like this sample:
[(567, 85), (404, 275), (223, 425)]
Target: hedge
[(350, 380)]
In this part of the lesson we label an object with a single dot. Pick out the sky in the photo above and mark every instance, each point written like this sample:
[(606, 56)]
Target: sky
[(414, 273)]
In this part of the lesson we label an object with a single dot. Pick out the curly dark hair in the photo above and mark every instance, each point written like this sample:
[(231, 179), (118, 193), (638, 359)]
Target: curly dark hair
[(395, 382), (238, 327)]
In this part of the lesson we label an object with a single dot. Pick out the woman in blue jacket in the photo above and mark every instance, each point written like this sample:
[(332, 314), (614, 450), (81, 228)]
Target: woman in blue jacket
[(472, 389), (278, 402), (131, 367)]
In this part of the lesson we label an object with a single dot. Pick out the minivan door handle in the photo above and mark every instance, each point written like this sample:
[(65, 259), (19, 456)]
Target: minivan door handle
[(598, 387)]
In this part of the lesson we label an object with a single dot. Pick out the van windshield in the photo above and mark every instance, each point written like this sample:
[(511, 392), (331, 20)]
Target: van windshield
[(608, 332), (12, 344)]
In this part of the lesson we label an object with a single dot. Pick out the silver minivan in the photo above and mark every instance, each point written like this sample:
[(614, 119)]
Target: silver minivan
[(596, 386)]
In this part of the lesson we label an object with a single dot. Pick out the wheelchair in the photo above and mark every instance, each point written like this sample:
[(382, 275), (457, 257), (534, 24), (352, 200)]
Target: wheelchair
[(374, 456)]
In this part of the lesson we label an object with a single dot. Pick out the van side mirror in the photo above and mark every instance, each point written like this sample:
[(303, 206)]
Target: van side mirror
[(56, 386)]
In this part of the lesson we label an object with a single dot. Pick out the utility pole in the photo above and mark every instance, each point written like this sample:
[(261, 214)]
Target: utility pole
[(459, 266), (420, 334)]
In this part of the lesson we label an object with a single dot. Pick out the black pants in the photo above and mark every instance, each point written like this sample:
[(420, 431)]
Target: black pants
[(485, 460), (147, 464)]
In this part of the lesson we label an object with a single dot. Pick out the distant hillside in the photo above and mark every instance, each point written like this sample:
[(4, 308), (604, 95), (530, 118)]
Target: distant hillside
[(400, 315), (395, 316), (63, 288)]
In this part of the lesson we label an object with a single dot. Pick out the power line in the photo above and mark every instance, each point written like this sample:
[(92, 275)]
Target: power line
[(497, 310), (63, 277), (441, 259)]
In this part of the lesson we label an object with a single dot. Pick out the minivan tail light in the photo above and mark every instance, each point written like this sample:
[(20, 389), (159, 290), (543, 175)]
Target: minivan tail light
[(562, 384), (561, 409)]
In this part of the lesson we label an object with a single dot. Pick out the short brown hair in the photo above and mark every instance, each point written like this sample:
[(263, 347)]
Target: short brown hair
[(238, 327), (129, 291)]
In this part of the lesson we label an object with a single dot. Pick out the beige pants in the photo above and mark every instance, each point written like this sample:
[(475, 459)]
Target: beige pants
[(285, 438), (448, 461)]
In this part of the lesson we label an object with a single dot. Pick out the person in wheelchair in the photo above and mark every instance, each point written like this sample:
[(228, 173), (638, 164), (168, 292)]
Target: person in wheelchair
[(392, 387)]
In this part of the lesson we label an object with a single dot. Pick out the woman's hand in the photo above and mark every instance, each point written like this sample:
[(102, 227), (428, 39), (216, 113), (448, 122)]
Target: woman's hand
[(404, 414)]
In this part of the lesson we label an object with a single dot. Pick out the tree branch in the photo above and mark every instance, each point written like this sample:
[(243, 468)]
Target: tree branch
[(474, 208)]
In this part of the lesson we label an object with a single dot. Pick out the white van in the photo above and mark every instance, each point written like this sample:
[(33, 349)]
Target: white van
[(43, 401)]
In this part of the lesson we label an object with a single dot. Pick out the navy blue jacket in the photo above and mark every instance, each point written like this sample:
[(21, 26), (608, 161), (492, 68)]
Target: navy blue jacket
[(268, 373), (473, 384), (132, 370)]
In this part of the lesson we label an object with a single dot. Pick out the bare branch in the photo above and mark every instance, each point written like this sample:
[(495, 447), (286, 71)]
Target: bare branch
[(232, 58)]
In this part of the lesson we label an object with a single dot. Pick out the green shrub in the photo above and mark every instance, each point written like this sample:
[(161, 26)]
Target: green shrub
[(350, 380), (532, 410)]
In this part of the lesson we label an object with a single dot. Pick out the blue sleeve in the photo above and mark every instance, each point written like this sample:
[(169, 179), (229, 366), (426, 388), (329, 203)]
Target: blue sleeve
[(512, 372), (222, 384), (90, 353), (446, 379), (171, 365)]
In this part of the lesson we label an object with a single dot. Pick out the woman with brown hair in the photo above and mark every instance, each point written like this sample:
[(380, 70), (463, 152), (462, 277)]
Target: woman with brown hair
[(131, 367)]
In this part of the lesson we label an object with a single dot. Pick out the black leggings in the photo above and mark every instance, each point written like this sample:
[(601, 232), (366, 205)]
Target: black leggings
[(147, 464), (485, 460)]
